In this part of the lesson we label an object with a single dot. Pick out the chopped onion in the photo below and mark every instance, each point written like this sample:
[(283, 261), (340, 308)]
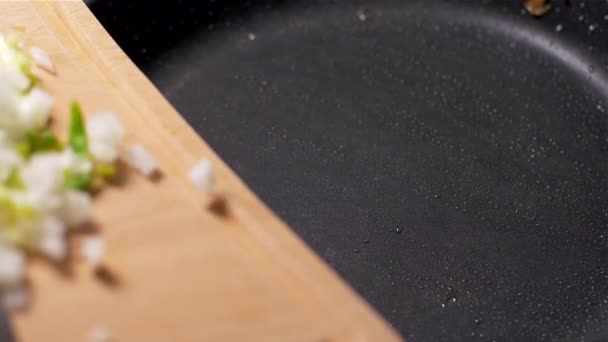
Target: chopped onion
[(70, 160), (9, 159), (44, 182), (77, 207), (53, 246), (52, 226), (14, 78), (52, 242), (140, 159), (35, 108), (105, 136), (15, 298), (42, 59), (93, 250), (99, 334), (12, 262), (43, 173), (202, 177)]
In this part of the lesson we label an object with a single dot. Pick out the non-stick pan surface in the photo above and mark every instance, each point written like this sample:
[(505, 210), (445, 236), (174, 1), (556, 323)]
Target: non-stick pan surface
[(448, 158)]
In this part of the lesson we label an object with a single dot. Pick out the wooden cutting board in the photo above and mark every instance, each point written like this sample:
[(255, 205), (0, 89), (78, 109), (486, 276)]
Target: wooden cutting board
[(176, 271)]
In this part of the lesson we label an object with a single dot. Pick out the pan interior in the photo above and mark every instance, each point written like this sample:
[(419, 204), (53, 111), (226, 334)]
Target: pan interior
[(449, 162)]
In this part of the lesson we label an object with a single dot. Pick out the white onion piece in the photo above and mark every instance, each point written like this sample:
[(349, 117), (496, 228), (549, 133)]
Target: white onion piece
[(70, 160), (14, 78), (8, 110), (76, 208), (43, 173), (202, 176), (52, 226), (93, 250), (35, 108), (42, 59), (52, 242), (15, 298), (105, 136), (53, 247), (9, 159), (140, 159), (99, 334), (12, 262)]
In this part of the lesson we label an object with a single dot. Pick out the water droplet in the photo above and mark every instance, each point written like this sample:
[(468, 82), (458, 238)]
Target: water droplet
[(591, 28), (450, 300), (477, 321), (251, 36), (356, 251), (399, 230), (366, 241), (559, 27), (362, 16), (437, 195)]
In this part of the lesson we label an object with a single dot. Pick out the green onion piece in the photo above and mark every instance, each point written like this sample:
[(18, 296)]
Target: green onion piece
[(77, 180), (14, 181), (23, 61), (38, 141), (101, 174), (11, 212), (48, 140), (13, 42), (25, 149), (104, 170), (78, 133)]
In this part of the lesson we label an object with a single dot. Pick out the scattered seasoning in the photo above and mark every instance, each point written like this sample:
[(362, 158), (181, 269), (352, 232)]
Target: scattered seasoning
[(537, 8)]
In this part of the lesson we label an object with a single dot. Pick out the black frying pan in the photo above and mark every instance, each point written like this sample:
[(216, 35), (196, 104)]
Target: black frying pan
[(448, 158)]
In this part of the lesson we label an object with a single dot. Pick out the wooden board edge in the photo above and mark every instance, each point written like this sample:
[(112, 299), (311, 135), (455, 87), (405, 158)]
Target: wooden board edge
[(302, 266)]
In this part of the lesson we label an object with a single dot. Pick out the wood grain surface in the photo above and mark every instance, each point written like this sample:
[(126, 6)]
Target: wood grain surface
[(175, 271)]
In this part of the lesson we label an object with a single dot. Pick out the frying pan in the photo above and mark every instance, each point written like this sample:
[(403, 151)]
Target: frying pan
[(447, 158)]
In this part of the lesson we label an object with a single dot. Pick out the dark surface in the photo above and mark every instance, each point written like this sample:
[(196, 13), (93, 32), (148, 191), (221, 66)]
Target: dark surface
[(447, 158), (6, 334)]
